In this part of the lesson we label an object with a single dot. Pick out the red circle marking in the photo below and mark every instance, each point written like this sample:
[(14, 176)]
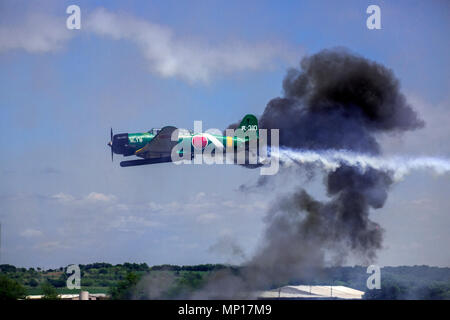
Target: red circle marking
[(199, 141)]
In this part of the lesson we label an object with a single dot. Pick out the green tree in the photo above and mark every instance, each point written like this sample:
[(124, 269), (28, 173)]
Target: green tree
[(125, 288), (49, 291), (185, 284), (33, 283), (11, 289), (390, 290), (437, 291)]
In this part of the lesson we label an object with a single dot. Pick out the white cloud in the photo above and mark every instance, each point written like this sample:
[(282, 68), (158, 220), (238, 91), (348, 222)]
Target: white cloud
[(154, 206), (35, 33), (95, 221), (100, 197), (62, 197), (199, 196), (109, 212), (93, 197), (132, 223), (31, 233), (190, 59)]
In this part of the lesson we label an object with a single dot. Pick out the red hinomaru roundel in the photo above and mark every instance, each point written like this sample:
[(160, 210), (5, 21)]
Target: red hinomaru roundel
[(199, 141)]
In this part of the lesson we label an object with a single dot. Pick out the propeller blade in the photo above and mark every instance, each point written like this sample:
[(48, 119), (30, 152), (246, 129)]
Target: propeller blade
[(112, 153)]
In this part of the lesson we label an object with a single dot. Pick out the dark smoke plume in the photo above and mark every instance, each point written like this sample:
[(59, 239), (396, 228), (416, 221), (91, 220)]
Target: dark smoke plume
[(335, 100), (338, 100)]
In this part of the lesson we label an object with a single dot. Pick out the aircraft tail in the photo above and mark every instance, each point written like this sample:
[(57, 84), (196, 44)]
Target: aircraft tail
[(249, 124)]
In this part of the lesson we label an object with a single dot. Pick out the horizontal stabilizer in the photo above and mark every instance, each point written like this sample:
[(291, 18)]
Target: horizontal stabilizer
[(140, 162)]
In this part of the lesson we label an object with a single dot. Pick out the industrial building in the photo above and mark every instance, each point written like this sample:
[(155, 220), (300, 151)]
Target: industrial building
[(312, 293)]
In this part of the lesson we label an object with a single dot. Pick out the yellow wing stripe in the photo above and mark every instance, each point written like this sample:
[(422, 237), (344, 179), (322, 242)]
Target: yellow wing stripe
[(229, 142), (139, 151)]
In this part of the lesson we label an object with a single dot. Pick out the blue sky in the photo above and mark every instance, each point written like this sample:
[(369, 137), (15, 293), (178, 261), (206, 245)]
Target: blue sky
[(62, 201)]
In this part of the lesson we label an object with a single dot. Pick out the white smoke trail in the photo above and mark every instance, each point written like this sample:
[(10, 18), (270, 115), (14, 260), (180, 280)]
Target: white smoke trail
[(330, 160)]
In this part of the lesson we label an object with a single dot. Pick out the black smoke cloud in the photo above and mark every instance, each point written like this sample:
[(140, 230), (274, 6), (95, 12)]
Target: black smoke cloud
[(335, 100)]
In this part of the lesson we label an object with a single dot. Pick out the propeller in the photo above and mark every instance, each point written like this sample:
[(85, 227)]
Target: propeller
[(110, 144)]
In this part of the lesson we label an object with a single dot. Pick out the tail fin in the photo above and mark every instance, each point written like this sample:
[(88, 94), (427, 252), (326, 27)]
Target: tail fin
[(250, 124)]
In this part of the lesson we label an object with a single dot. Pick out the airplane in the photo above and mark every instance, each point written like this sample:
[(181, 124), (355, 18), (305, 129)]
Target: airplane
[(155, 145)]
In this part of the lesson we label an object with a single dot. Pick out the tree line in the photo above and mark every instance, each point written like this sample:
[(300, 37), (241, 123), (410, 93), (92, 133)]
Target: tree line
[(125, 281)]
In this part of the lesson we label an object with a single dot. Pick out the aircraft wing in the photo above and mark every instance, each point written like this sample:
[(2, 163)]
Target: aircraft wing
[(160, 146)]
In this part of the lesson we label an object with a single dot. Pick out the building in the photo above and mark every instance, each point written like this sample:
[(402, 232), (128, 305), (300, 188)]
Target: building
[(312, 292), (83, 295)]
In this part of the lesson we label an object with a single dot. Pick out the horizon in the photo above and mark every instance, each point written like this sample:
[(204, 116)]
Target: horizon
[(218, 264)]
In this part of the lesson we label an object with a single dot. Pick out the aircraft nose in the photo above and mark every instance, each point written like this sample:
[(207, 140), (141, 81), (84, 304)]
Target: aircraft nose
[(118, 143)]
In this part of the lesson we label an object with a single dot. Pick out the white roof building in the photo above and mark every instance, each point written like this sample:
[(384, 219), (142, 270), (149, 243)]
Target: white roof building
[(312, 292), (89, 296)]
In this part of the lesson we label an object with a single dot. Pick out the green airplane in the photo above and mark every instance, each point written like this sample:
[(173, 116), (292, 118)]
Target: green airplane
[(156, 145)]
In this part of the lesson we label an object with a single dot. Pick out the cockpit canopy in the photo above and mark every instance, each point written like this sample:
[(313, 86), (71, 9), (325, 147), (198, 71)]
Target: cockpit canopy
[(154, 131)]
